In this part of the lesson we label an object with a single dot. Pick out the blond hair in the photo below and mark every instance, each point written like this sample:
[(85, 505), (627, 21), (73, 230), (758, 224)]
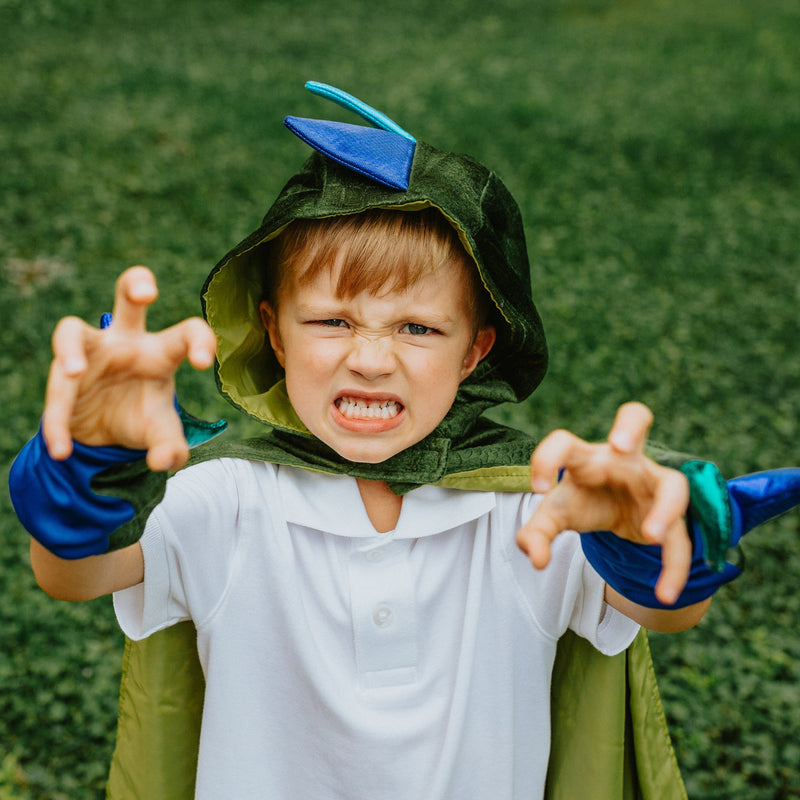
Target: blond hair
[(375, 251)]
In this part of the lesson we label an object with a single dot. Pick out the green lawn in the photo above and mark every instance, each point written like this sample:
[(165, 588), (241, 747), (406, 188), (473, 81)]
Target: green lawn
[(654, 150)]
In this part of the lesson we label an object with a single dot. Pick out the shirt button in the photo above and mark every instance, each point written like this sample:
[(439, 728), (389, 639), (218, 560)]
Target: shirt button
[(374, 556), (382, 616)]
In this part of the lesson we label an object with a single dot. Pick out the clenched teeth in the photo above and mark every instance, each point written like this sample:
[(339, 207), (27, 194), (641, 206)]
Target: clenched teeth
[(363, 409)]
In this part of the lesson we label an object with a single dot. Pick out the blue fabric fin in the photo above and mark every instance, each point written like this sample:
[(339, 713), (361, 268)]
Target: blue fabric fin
[(761, 496), (345, 100), (382, 155)]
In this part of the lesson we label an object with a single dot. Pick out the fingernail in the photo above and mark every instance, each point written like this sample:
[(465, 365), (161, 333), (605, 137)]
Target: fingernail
[(655, 531), (669, 596), (541, 485), (204, 358), (73, 365), (141, 289)]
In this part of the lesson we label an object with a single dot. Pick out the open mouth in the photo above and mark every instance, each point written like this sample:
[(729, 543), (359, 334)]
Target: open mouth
[(359, 408)]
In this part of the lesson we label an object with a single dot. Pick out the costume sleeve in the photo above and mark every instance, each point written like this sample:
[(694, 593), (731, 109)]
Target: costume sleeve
[(720, 513), (57, 503), (98, 499), (189, 545), (568, 594)]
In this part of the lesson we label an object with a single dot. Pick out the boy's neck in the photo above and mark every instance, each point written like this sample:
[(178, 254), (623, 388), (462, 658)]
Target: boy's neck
[(381, 503)]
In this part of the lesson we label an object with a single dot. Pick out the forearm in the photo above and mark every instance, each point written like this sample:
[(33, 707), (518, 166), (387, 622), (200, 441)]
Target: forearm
[(662, 620), (86, 578)]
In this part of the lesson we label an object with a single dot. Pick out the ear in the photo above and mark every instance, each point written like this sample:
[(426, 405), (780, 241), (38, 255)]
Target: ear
[(269, 318), (482, 344)]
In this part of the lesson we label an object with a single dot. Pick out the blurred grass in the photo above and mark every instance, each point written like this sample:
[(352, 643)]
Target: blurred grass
[(654, 150)]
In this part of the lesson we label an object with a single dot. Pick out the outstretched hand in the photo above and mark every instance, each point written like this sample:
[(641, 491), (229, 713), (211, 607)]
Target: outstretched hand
[(611, 486), (116, 386)]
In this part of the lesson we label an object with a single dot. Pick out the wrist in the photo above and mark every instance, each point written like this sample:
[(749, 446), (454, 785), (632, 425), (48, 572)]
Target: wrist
[(55, 502), (633, 569)]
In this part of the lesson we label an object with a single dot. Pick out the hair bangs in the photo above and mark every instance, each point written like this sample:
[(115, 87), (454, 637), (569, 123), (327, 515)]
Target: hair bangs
[(376, 251)]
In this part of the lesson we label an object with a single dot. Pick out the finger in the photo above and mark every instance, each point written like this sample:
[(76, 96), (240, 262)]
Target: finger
[(59, 401), (69, 364), (536, 536), (135, 290), (69, 345), (630, 429), (558, 449), (166, 444), (191, 339), (676, 561), (669, 504)]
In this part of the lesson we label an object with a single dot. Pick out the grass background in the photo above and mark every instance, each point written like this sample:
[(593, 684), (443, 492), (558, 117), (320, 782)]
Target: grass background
[(653, 146)]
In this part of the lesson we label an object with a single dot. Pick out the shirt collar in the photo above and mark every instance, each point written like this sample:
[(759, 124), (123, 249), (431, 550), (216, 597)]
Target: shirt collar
[(332, 504)]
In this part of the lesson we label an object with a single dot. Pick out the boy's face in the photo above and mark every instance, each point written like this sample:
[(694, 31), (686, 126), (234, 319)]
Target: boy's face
[(372, 375)]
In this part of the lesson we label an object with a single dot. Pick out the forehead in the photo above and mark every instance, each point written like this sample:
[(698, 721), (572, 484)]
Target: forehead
[(372, 251), (445, 286)]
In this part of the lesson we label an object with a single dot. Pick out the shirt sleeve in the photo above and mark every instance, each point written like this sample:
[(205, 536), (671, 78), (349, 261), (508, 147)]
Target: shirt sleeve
[(189, 546), (568, 593)]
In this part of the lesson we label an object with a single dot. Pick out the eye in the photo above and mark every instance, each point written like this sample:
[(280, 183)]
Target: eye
[(333, 323), (415, 329)]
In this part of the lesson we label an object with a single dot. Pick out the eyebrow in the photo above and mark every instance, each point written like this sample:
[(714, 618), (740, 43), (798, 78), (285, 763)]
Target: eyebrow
[(335, 308)]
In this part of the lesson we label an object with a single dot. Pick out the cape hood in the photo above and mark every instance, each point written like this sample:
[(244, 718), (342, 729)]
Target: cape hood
[(352, 171)]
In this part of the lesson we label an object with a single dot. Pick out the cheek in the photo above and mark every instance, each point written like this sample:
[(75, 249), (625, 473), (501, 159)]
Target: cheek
[(309, 362), (437, 380), (443, 369)]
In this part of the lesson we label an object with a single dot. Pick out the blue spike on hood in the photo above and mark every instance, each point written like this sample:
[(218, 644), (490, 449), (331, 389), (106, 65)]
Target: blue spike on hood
[(382, 155)]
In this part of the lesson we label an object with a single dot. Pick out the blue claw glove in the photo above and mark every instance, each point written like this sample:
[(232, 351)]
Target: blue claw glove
[(720, 514), (55, 502)]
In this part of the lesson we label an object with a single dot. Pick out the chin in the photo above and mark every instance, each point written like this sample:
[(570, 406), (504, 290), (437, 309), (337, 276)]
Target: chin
[(366, 457), (366, 451)]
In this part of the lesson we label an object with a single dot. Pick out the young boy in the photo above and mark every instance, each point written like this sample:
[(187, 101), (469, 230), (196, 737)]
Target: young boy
[(365, 630)]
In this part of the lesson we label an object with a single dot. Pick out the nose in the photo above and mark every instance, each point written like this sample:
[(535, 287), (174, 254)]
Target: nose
[(371, 356)]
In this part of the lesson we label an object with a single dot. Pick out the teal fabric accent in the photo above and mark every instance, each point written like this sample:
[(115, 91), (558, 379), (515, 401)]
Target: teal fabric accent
[(198, 431), (710, 510), (345, 100)]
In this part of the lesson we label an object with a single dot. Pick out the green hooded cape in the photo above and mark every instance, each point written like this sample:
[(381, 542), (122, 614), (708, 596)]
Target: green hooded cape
[(609, 731)]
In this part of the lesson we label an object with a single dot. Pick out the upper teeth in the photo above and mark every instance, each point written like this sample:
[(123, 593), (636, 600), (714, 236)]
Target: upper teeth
[(352, 407)]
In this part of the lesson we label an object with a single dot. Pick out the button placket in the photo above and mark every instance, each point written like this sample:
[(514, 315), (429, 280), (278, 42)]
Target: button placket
[(383, 612)]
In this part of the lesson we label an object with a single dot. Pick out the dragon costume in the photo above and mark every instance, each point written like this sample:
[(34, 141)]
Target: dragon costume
[(609, 730)]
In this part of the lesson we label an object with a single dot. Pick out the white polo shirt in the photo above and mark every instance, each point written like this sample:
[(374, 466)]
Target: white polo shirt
[(343, 663)]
